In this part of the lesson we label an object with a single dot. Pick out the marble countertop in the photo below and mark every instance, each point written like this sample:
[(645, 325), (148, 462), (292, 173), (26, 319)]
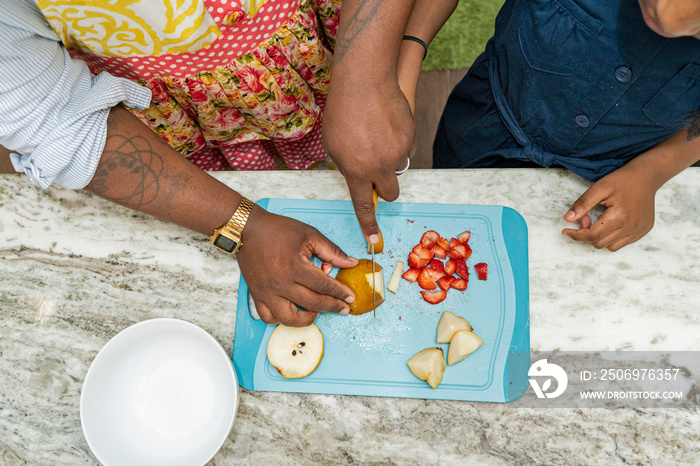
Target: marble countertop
[(77, 270)]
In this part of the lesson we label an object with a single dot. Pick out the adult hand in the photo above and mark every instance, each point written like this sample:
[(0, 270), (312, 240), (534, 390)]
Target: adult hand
[(369, 132), (275, 261), (629, 214)]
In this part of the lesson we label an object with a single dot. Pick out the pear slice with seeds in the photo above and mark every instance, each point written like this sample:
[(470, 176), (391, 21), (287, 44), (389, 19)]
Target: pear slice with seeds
[(295, 351)]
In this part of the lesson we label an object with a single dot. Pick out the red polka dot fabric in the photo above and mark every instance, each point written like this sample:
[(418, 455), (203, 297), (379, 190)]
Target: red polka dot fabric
[(252, 99)]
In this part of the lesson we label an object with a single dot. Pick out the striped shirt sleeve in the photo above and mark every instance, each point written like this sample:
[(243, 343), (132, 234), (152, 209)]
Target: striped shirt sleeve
[(53, 111)]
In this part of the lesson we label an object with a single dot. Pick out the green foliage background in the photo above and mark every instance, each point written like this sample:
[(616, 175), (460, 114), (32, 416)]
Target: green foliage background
[(464, 35)]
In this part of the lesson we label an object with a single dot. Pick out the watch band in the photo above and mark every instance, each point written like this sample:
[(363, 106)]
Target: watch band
[(233, 229)]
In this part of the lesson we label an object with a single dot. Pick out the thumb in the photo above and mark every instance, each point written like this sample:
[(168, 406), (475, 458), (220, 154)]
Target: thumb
[(328, 251), (584, 204)]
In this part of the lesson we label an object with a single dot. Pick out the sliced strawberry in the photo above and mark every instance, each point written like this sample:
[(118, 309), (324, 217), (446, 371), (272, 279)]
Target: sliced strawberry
[(454, 242), (437, 265), (435, 274), (444, 282), (424, 255), (461, 269), (438, 252), (411, 274), (450, 267), (469, 251), (326, 267), (425, 280), (434, 297), (464, 237), (429, 238), (428, 277), (443, 243), (414, 261), (459, 284), (482, 270), (458, 251)]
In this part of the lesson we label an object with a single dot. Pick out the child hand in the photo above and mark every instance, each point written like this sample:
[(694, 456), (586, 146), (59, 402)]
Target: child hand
[(629, 213)]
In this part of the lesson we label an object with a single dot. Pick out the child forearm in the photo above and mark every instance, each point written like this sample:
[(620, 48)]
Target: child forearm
[(668, 158)]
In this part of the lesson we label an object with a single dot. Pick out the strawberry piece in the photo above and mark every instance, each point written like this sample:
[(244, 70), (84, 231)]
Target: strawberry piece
[(443, 243), (454, 242), (438, 252), (414, 260), (482, 270), (458, 251), (425, 281), (411, 274), (326, 267), (428, 277), (424, 256), (445, 282), (437, 265), (461, 269), (429, 238), (464, 237), (434, 297), (469, 251), (450, 267), (459, 284)]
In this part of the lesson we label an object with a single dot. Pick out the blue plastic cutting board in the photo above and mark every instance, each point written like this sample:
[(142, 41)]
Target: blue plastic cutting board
[(364, 355)]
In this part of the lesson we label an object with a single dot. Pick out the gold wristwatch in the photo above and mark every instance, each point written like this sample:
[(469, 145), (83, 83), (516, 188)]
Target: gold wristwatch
[(228, 237)]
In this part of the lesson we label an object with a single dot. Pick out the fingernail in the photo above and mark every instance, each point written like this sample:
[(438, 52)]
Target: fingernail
[(350, 299), (373, 239), (569, 214), (345, 312)]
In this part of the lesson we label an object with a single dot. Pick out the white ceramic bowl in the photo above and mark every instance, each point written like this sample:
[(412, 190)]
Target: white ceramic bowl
[(161, 392)]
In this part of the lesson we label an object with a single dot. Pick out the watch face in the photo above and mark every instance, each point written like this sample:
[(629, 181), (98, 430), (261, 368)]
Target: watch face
[(227, 244)]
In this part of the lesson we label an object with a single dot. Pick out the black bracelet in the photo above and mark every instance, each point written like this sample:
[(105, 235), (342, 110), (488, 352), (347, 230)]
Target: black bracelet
[(415, 39)]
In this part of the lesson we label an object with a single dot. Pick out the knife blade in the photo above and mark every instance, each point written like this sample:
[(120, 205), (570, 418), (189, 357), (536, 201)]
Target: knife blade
[(375, 198), (374, 287)]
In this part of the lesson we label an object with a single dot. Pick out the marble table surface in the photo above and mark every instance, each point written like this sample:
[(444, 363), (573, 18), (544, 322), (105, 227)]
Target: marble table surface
[(76, 270)]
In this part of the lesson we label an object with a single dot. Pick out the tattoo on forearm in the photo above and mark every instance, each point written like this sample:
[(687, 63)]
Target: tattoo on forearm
[(358, 23), (129, 173)]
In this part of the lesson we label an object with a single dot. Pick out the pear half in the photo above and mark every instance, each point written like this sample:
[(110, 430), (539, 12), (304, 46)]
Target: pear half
[(463, 344), (295, 351), (428, 365), (450, 324), (365, 284)]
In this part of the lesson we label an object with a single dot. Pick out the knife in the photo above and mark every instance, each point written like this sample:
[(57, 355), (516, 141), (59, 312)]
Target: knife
[(374, 277)]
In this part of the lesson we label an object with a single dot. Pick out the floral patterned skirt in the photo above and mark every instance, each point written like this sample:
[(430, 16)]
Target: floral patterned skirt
[(262, 110)]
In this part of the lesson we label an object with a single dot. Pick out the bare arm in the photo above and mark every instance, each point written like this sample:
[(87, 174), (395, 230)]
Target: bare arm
[(368, 128), (427, 17), (139, 171)]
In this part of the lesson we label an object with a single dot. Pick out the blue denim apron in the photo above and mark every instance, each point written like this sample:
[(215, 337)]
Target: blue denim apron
[(582, 84)]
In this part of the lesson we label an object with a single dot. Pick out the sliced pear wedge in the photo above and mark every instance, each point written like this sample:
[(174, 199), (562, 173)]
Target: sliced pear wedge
[(463, 344), (428, 365), (295, 351), (395, 279), (450, 324)]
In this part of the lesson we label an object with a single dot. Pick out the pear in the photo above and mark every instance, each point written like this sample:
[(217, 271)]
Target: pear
[(367, 286), (295, 351), (448, 325), (463, 344), (428, 365), (393, 285)]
